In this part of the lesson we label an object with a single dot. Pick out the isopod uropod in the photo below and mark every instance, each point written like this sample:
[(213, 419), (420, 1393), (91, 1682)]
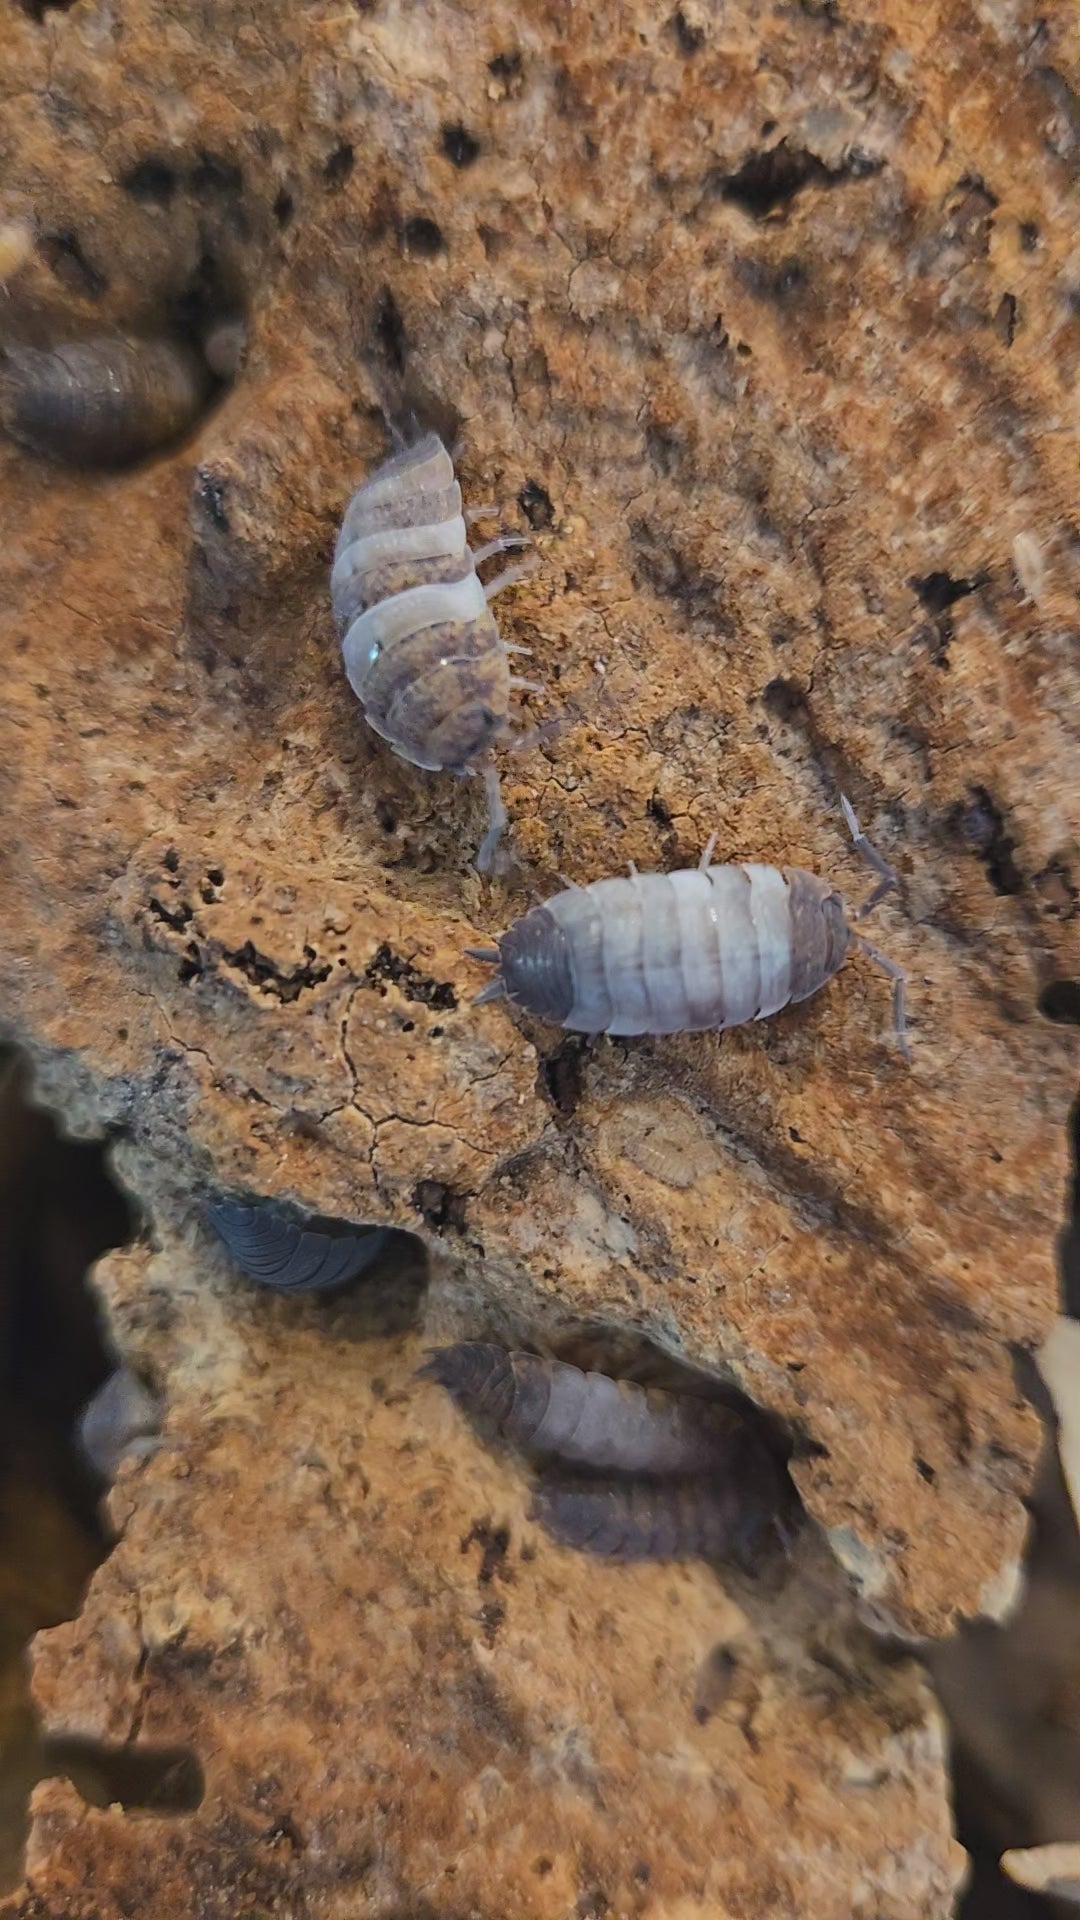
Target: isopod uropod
[(587, 1419), (102, 402), (704, 948), (421, 648)]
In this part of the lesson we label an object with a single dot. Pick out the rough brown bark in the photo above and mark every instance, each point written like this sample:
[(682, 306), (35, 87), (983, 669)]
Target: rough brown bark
[(766, 320)]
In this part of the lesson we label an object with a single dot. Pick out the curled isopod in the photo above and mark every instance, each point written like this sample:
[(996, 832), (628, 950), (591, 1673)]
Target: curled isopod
[(422, 651), (123, 1418), (717, 1517), (707, 947), (277, 1251), (102, 402), (586, 1419)]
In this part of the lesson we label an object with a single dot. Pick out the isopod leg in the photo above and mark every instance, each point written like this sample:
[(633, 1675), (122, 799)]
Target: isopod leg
[(497, 818), (899, 979), (484, 512), (707, 853), (889, 878), (502, 543), (509, 577)]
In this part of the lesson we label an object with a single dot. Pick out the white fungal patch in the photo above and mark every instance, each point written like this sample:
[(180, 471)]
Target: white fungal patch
[(421, 649)]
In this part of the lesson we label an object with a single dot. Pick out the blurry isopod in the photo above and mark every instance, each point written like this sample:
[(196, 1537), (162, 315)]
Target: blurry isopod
[(705, 948), (102, 402), (717, 1517), (422, 651), (123, 1418), (586, 1419), (277, 1251)]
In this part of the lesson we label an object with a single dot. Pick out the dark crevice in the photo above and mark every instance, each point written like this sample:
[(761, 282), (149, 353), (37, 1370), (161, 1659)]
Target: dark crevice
[(982, 825), (151, 179), (440, 1206), (1060, 1001), (390, 331), (535, 503), (768, 181), (689, 39), (459, 145), (938, 593), (59, 1212), (286, 983), (339, 165), (387, 968), (561, 1073), (64, 253), (422, 237), (150, 1779)]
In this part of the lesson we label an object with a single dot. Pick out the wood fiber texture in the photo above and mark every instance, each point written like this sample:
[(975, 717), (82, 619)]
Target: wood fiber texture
[(765, 321)]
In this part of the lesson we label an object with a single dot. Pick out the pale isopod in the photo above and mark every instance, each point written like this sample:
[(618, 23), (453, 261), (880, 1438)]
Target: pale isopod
[(705, 948), (586, 1419), (706, 1518), (421, 648), (102, 402), (123, 1418), (278, 1252)]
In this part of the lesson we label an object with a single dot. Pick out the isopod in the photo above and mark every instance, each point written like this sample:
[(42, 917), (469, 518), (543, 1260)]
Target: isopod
[(706, 1518), (586, 1419), (124, 1417), (276, 1251), (704, 948), (102, 402), (421, 648)]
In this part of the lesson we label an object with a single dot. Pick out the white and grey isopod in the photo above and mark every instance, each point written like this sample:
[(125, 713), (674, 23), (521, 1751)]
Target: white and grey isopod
[(421, 648), (705, 948)]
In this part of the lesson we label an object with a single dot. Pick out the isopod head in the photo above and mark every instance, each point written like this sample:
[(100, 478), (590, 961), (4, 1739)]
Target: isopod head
[(534, 967)]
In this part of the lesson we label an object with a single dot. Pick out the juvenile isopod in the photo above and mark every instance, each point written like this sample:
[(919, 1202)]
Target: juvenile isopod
[(276, 1251), (704, 948), (586, 1419), (421, 648), (102, 402), (705, 1518)]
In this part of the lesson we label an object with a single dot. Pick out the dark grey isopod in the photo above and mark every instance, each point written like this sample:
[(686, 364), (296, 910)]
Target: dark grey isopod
[(705, 948), (102, 402), (422, 651), (587, 1419), (718, 1517), (276, 1251)]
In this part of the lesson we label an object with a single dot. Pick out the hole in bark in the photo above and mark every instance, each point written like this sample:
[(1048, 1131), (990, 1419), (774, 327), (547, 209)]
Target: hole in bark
[(690, 39), (386, 968), (60, 1211), (982, 824), (422, 237), (215, 177), (151, 1779), (339, 165), (562, 1074), (37, 9), (152, 180), (459, 145), (769, 181), (269, 976), (535, 503), (440, 1206), (1060, 1001), (284, 207)]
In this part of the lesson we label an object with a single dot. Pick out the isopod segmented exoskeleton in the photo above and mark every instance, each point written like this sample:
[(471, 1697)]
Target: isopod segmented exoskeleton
[(276, 1251), (102, 402), (586, 1419), (704, 948), (709, 1517), (421, 648)]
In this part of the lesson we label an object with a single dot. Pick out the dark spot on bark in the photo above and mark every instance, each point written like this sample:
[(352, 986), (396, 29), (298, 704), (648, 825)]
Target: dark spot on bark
[(769, 181), (64, 254), (1005, 319), (1060, 1001), (216, 876), (562, 1074), (422, 237), (491, 1616), (152, 180), (690, 39), (284, 207), (175, 917), (390, 330), (338, 166), (660, 565), (535, 503), (938, 593), (785, 700), (37, 9), (439, 1205), (658, 811), (284, 983), (459, 145), (214, 177), (781, 282), (171, 860), (925, 1471), (494, 1543), (191, 966), (506, 67), (210, 493), (1029, 236), (982, 825), (386, 967)]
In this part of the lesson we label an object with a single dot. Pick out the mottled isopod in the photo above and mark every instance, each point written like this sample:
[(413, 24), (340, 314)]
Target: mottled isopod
[(586, 1419), (706, 1518), (276, 1251), (422, 651), (102, 402), (705, 948)]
